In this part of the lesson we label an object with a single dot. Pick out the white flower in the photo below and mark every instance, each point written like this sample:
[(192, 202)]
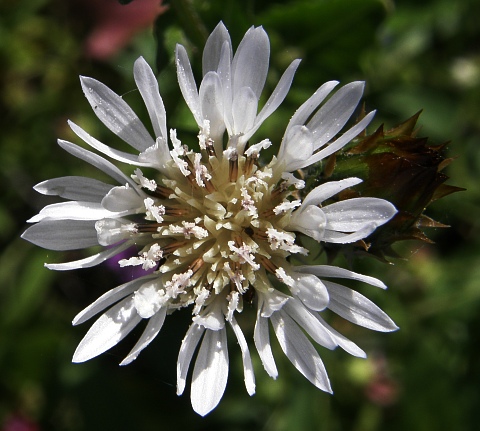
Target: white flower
[(217, 227)]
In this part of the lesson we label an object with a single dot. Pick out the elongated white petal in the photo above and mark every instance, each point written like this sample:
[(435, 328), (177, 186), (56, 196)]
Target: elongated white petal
[(299, 148), (109, 298), (309, 323), (247, 360), (148, 86), (250, 64), (261, 338), (276, 97), (332, 116), (329, 271), (121, 156), (272, 301), (210, 373), (342, 341), (211, 97), (329, 189), (225, 73), (356, 308), (115, 113), (151, 331), (299, 350), (62, 234), (336, 237), (213, 48), (73, 210), (341, 141), (75, 188), (306, 109), (310, 290), (244, 110), (90, 261), (310, 221), (185, 354), (107, 331), (97, 161), (353, 214), (123, 199), (187, 83)]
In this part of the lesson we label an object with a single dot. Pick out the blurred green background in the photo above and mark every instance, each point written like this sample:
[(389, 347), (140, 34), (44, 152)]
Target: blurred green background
[(413, 55)]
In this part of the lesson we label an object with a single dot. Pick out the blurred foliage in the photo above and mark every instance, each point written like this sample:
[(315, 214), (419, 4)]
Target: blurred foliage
[(413, 55)]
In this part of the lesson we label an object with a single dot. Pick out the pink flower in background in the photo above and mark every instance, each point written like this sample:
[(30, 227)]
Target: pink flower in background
[(115, 24)]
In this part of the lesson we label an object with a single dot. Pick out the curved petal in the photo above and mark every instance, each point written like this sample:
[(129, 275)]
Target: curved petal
[(185, 354), (310, 323), (299, 350), (298, 147), (262, 343), (211, 98), (151, 331), (250, 63), (62, 234), (90, 261), (107, 331), (109, 298), (97, 161), (115, 113), (148, 86), (357, 309), (310, 290), (187, 83), (337, 272), (332, 116), (327, 190), (310, 221), (74, 188), (351, 215), (213, 48), (210, 373), (244, 110), (247, 360)]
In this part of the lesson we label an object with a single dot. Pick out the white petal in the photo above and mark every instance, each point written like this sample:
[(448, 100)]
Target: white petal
[(109, 298), (107, 331), (62, 234), (341, 141), (271, 301), (75, 188), (356, 308), (97, 161), (310, 290), (73, 210), (332, 116), (225, 74), (115, 113), (213, 48), (310, 221), (262, 343), (212, 316), (244, 110), (299, 350), (123, 199), (337, 272), (247, 360), (342, 341), (250, 64), (211, 98), (187, 349), (329, 189), (306, 109), (276, 97), (187, 83), (210, 373), (148, 86), (351, 215), (90, 261), (310, 323), (121, 156), (298, 147), (151, 331)]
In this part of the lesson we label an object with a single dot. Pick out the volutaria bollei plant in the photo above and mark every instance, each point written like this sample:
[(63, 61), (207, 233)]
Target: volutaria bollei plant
[(218, 229)]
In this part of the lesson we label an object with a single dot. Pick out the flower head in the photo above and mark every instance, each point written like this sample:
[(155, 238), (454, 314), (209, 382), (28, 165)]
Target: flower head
[(218, 227)]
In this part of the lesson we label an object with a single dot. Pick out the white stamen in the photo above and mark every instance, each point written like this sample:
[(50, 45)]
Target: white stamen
[(144, 182), (244, 253), (255, 149), (284, 277), (189, 229), (148, 259), (291, 180), (154, 212), (286, 206)]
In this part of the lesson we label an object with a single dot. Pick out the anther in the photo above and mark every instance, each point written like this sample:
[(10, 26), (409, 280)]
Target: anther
[(233, 166), (210, 147), (162, 192), (175, 212), (170, 248), (149, 227), (249, 162), (267, 264), (196, 265)]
